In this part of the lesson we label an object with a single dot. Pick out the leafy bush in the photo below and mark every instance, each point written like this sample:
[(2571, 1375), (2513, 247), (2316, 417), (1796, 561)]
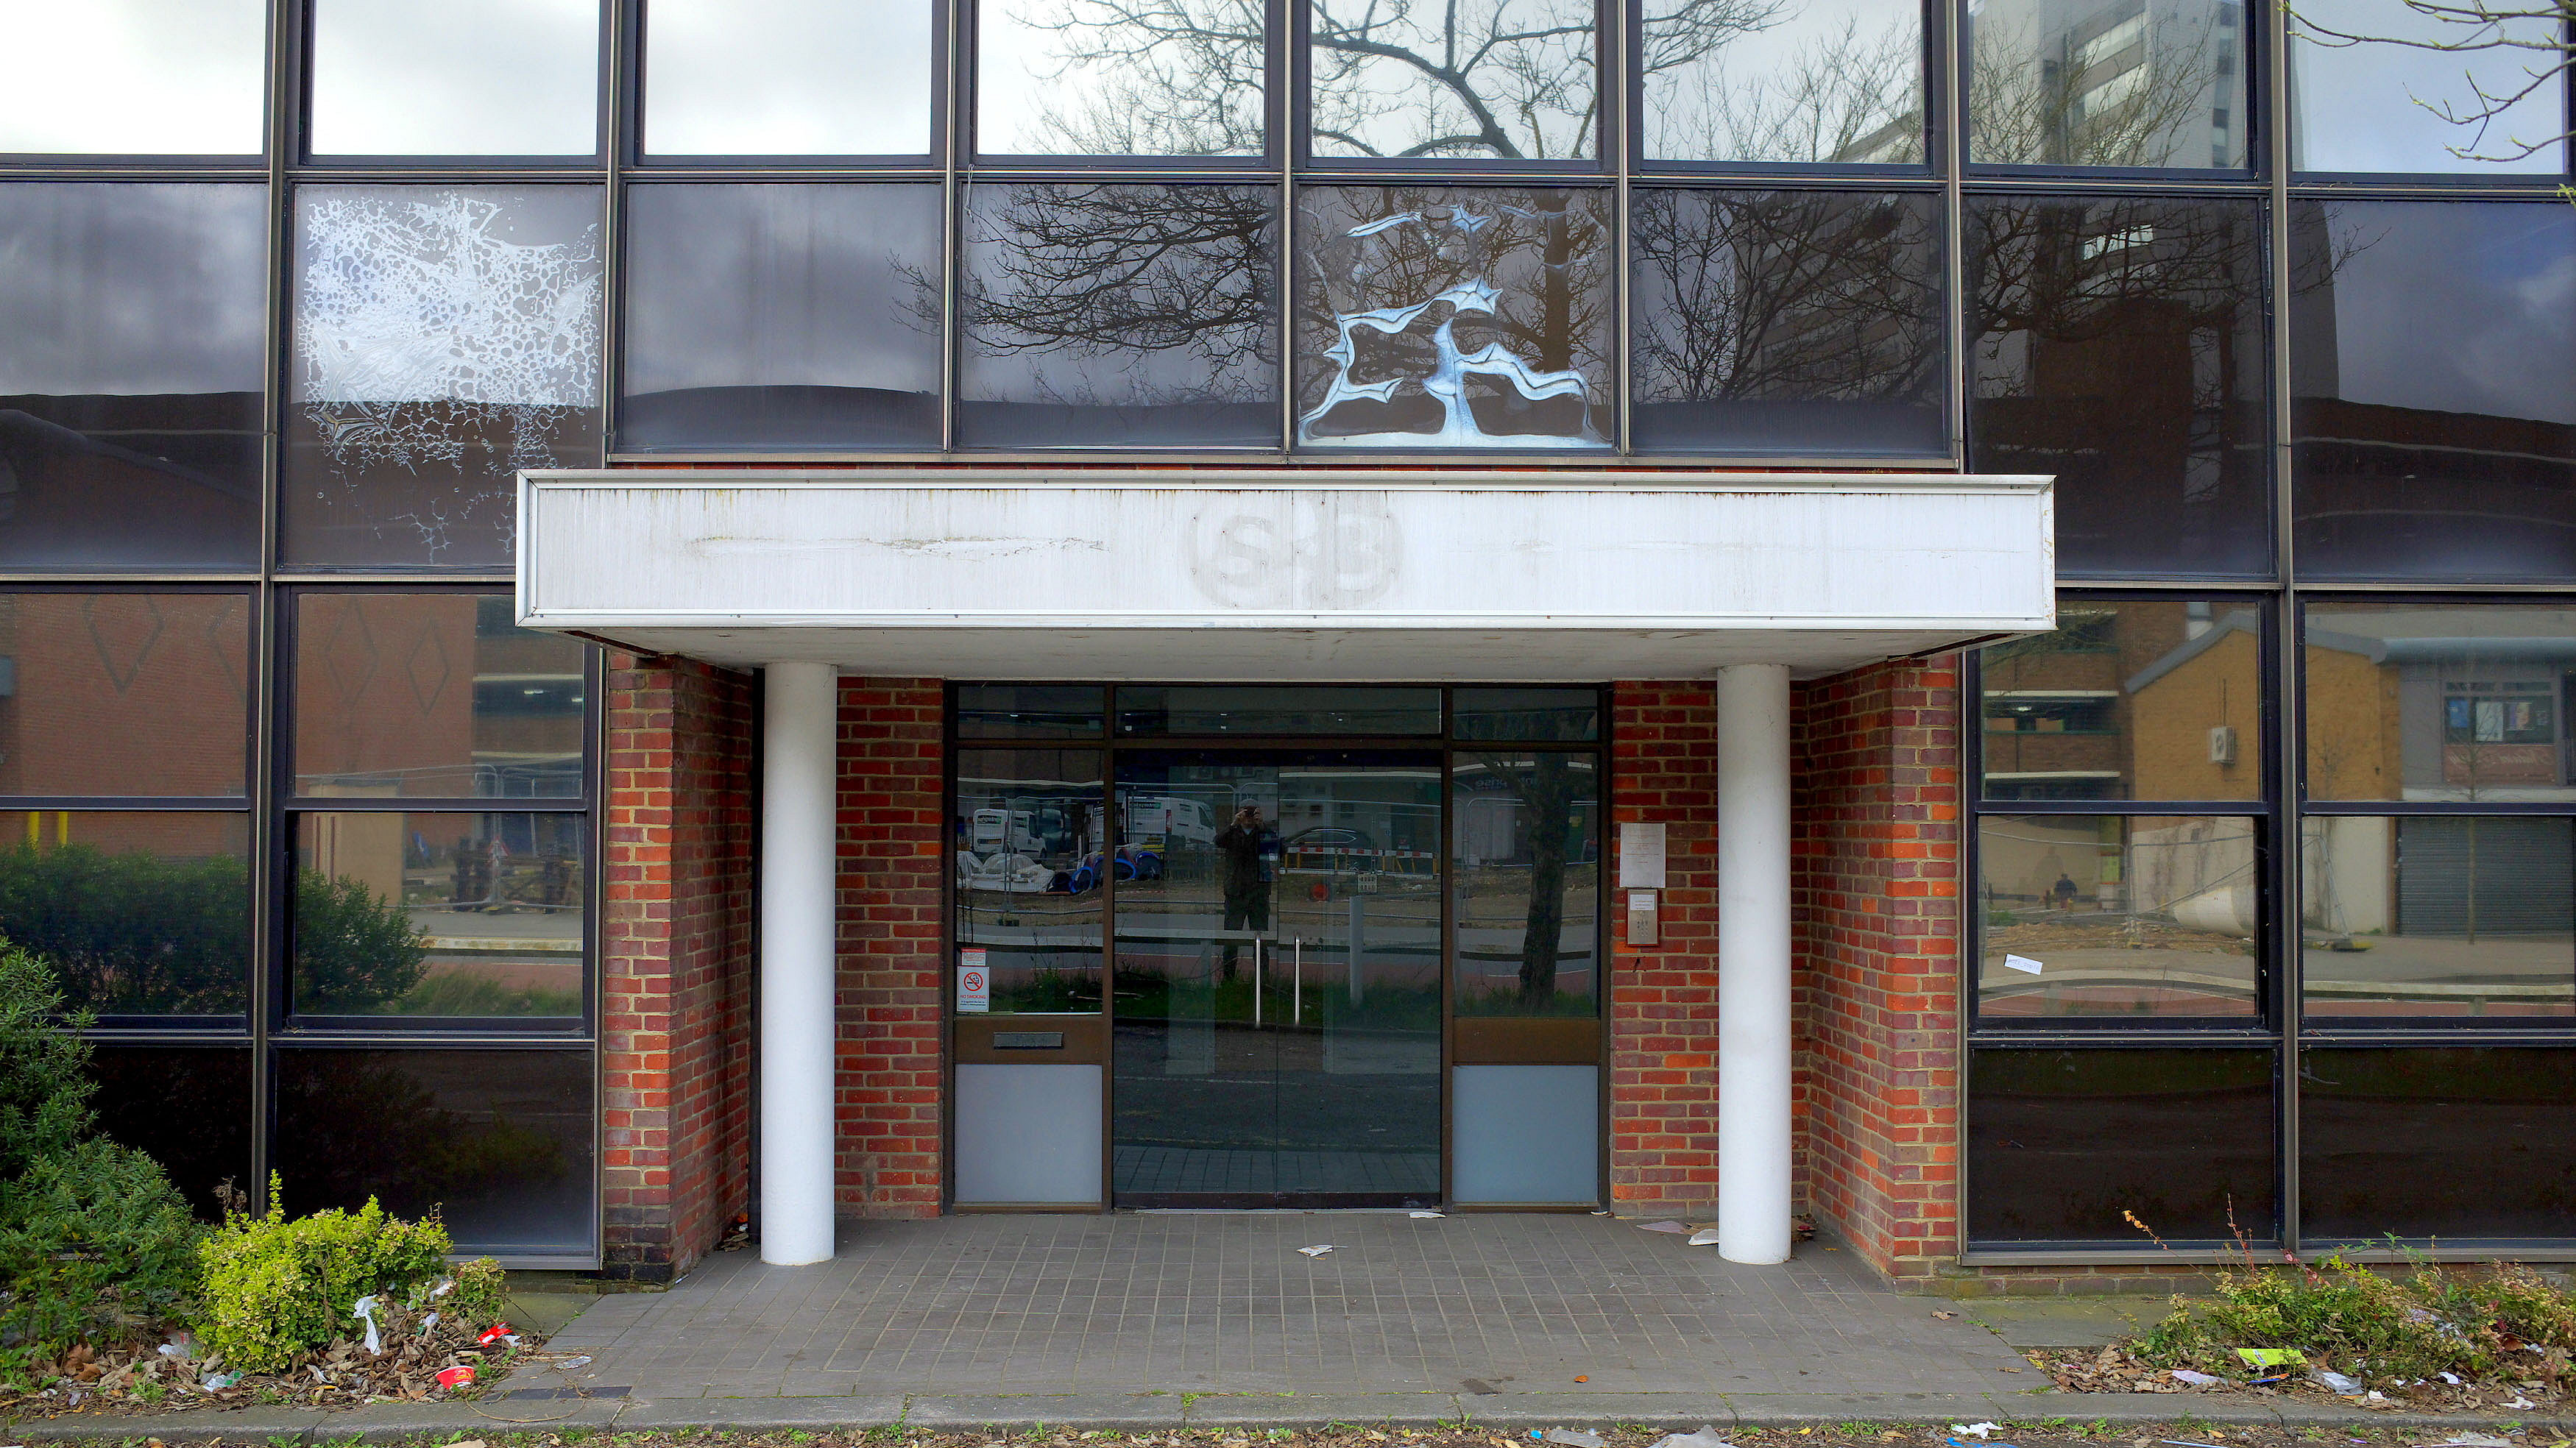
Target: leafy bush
[(277, 1288), (95, 1245), (354, 949), (44, 1066), (133, 932), (2483, 1323)]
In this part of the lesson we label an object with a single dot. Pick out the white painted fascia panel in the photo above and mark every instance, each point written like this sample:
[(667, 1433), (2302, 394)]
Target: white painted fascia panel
[(944, 549)]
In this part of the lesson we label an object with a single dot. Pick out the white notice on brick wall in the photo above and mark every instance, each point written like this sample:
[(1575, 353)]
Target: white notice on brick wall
[(1641, 857), (974, 983)]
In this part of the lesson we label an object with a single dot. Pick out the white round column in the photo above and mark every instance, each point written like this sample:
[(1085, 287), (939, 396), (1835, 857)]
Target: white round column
[(798, 783), (1753, 1117)]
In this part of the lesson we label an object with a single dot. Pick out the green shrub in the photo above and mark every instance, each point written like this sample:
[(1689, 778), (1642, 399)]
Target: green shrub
[(275, 1289), (2480, 1323), (355, 950), (44, 1065), (135, 931), (479, 1286), (95, 1245)]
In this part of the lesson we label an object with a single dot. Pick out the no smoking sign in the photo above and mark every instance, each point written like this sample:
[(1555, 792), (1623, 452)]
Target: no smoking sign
[(974, 982)]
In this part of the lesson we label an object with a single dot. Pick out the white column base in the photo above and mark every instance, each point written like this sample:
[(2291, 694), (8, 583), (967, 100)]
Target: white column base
[(1753, 1064), (798, 885)]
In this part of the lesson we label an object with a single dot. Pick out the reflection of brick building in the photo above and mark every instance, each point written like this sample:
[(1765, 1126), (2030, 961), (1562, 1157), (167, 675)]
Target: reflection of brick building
[(170, 667)]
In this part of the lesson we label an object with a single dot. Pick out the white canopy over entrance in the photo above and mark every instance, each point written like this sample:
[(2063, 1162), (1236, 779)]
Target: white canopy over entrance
[(1282, 577)]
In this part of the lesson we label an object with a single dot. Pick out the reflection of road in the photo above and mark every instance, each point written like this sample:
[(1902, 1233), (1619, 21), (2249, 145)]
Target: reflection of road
[(2114, 979), (2502, 975), (519, 949)]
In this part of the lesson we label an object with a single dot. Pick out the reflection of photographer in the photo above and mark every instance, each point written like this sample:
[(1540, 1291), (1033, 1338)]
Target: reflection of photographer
[(1247, 891)]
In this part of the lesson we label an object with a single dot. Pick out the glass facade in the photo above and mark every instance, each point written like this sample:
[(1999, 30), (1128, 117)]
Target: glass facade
[(293, 291)]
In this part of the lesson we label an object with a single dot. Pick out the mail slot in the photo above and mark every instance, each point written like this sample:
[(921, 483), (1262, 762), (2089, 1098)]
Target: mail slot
[(1028, 1040)]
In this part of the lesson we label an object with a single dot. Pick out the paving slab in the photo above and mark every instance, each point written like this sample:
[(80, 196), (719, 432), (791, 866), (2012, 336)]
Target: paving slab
[(1315, 1410), (1104, 1411), (2063, 1322)]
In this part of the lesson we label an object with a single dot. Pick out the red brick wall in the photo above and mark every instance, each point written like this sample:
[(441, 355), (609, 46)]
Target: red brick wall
[(1875, 820), (890, 1087), (1663, 999), (675, 962)]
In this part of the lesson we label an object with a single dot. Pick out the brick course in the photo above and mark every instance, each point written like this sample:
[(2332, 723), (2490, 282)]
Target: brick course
[(1875, 816), (676, 917), (891, 1088), (1663, 998)]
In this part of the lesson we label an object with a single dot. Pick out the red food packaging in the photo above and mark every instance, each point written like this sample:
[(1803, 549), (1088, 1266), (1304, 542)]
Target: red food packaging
[(455, 1377), (494, 1333)]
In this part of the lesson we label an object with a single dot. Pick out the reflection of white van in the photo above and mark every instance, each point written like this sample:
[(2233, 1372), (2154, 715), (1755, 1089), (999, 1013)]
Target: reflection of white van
[(988, 828), (1171, 816)]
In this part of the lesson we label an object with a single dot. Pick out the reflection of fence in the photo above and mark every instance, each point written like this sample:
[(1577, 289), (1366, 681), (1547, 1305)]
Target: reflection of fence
[(1355, 859)]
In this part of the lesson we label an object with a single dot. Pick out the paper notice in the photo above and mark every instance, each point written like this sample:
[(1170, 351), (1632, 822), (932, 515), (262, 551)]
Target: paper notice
[(974, 983), (2022, 963), (1641, 857)]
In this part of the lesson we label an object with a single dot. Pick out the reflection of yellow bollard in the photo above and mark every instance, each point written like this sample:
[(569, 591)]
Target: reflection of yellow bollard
[(35, 829), (62, 827)]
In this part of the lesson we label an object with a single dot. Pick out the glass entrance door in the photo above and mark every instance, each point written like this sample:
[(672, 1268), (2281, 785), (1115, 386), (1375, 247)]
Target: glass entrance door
[(1277, 978)]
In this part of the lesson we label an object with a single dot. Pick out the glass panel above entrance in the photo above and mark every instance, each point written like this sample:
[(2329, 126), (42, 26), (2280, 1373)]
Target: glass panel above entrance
[(1277, 1011), (1253, 711)]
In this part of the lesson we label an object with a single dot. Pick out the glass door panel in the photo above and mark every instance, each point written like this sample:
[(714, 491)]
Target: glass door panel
[(1278, 978)]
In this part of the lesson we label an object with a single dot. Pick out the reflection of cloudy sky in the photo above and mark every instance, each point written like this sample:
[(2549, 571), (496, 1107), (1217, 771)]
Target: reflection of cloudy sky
[(131, 288), (455, 77), (135, 77), (779, 285), (2457, 307), (1024, 76), (787, 77), (2356, 103)]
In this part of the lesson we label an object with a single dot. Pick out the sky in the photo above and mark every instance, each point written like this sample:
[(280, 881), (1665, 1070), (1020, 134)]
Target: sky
[(129, 289), (2457, 307), (129, 77), (2357, 104)]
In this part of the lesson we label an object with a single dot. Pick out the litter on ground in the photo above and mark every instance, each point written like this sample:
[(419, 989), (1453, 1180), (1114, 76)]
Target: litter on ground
[(1576, 1438), (1662, 1227), (1706, 1437), (1314, 1251)]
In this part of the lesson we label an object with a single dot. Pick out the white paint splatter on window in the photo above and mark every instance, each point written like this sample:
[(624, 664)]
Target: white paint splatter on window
[(431, 341)]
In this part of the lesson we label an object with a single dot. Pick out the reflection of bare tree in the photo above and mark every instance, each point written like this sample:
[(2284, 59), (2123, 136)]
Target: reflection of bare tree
[(1850, 95), (1511, 79), (2134, 84), (1176, 284), (1805, 295), (2534, 42), (2120, 347)]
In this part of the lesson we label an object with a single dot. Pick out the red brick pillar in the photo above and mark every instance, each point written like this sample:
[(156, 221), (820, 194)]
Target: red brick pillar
[(676, 914), (1663, 998), (890, 1088), (1876, 815)]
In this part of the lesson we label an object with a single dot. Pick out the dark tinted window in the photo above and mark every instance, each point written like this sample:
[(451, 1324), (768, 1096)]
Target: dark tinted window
[(1119, 316), (1033, 866), (2452, 916), (773, 78), (443, 339), (138, 914), (2108, 83), (1031, 711), (131, 376), (1253, 710), (1446, 317), (1824, 80), (2118, 917), (433, 695), (781, 317), (1525, 714), (124, 693), (2128, 700), (187, 1107), (1525, 847), (2433, 389), (441, 915), (2436, 1141), (2118, 344), (2440, 703), (1804, 323), (497, 1142), (2063, 1144)]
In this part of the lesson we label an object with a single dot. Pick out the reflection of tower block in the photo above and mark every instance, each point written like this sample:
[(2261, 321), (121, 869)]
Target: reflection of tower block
[(554, 881), (473, 875)]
